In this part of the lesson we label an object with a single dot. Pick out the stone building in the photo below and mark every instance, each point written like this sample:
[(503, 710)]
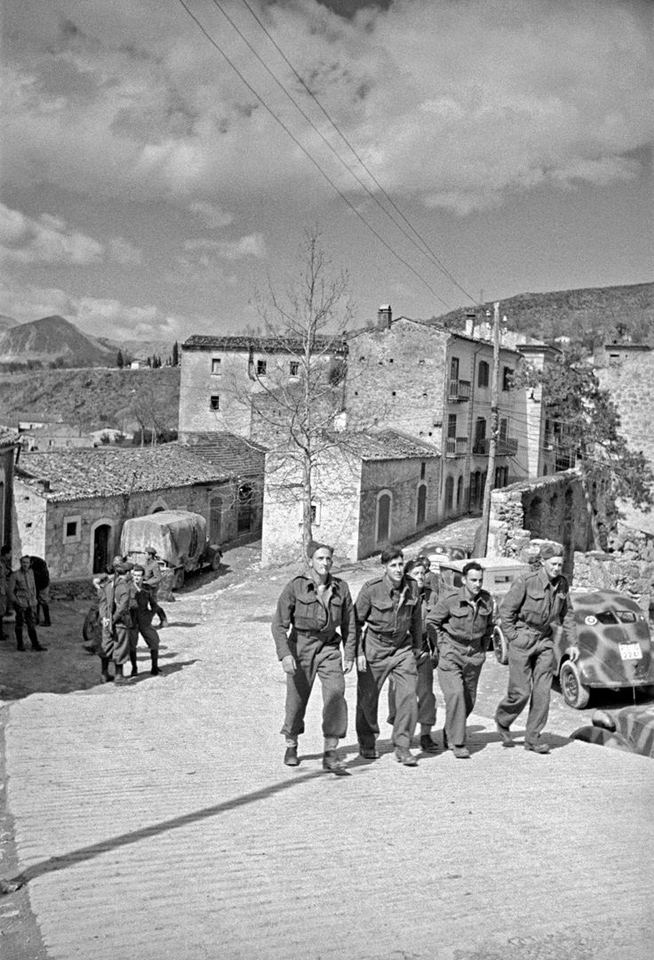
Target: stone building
[(435, 384), (8, 444), (70, 506), (220, 375), (368, 489)]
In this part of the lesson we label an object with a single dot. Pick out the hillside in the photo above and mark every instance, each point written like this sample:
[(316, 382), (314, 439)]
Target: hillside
[(590, 316), (140, 348), (93, 398), (6, 323), (50, 339)]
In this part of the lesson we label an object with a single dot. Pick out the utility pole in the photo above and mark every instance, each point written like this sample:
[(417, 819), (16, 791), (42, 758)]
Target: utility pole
[(481, 539)]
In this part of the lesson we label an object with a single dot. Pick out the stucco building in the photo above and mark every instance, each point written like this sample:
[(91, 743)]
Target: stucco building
[(368, 489)]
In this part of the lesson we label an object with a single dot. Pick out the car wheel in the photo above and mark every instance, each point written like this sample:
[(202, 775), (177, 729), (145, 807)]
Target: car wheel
[(91, 625), (575, 693), (500, 646)]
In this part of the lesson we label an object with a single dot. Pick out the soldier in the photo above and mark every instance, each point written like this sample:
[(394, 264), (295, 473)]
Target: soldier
[(42, 581), (142, 614), (23, 595), (116, 600), (417, 570), (461, 624), (532, 606), (389, 606), (314, 616), (152, 580)]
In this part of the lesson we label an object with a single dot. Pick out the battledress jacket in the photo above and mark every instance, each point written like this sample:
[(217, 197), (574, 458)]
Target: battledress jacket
[(458, 618), (534, 602), (301, 611), (22, 589), (393, 615)]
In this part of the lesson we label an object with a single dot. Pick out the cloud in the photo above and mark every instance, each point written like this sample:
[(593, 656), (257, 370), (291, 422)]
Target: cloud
[(252, 245), (48, 239), (213, 215), (455, 104)]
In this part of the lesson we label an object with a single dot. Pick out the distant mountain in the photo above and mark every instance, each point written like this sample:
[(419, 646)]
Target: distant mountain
[(590, 316), (140, 348), (6, 323), (53, 338)]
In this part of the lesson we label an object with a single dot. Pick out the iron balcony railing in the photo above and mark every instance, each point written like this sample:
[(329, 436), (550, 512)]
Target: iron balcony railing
[(456, 446), (459, 390)]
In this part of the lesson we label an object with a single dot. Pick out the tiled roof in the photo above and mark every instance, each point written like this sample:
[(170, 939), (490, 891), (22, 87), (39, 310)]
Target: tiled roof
[(233, 454), (108, 472), (387, 445), (262, 344)]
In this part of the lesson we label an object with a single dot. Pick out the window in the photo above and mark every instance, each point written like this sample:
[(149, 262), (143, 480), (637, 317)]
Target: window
[(483, 374), (423, 470), (451, 425), (421, 511), (72, 529), (214, 402), (507, 378), (215, 367), (315, 514), (294, 368), (504, 428), (449, 493), (261, 368)]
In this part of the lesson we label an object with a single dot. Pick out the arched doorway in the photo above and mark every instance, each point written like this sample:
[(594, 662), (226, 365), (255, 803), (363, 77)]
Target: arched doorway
[(215, 519), (244, 508), (422, 504), (101, 536), (383, 517)]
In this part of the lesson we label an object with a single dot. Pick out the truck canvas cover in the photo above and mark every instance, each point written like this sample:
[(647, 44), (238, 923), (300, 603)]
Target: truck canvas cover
[(179, 537)]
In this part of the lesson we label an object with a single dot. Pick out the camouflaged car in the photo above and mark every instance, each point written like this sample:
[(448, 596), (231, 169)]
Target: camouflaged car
[(615, 647), (631, 728)]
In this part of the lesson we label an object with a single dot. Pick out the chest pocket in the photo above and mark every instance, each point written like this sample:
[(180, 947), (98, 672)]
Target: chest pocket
[(309, 614)]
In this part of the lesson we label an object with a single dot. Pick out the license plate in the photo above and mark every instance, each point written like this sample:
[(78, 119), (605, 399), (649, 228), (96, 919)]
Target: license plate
[(630, 651)]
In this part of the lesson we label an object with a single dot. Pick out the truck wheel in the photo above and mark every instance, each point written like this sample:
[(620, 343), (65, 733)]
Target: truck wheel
[(216, 560), (575, 693), (178, 579), (500, 646), (91, 625)]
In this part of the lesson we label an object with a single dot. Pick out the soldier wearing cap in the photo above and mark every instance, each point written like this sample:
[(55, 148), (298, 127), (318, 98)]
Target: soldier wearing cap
[(533, 605), (314, 616), (390, 609), (152, 580), (115, 609)]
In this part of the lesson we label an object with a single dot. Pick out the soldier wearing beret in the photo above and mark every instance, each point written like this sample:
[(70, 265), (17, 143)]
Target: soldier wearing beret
[(314, 616), (533, 605), (390, 608), (115, 609)]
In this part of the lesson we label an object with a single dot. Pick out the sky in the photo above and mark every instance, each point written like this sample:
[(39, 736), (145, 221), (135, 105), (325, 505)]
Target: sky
[(157, 177)]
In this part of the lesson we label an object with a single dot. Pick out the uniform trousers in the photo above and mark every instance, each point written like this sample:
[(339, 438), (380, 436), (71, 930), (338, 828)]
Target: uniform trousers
[(115, 643), (424, 692), (27, 616), (147, 631), (313, 659), (459, 666), (531, 665), (385, 660)]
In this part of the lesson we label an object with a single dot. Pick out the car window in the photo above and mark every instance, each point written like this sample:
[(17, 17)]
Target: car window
[(606, 616), (457, 579), (626, 616)]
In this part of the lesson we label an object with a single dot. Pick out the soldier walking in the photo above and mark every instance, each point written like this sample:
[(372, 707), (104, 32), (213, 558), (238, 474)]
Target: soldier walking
[(389, 607), (152, 580), (530, 609), (461, 624), (314, 616)]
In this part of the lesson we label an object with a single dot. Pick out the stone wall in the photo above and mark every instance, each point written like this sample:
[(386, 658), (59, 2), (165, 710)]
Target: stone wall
[(617, 572), (631, 385), (402, 479), (549, 508)]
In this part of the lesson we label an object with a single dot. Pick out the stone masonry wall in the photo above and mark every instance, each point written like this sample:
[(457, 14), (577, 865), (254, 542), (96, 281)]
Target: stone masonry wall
[(402, 479), (631, 385), (616, 572)]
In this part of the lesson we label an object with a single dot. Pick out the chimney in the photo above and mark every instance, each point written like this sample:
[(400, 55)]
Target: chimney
[(471, 319), (384, 317)]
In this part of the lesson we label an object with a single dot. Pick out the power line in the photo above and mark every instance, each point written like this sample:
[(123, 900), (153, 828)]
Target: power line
[(427, 251), (309, 156)]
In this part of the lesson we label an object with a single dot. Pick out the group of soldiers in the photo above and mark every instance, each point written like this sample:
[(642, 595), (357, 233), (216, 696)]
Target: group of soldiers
[(403, 625), (126, 608), (25, 593)]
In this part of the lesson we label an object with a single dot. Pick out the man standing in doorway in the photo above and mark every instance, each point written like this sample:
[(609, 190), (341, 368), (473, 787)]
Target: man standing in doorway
[(23, 595), (533, 605), (461, 624)]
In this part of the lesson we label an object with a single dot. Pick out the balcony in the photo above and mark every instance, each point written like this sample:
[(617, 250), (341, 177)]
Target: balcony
[(458, 390), (481, 447), (507, 447), (456, 446)]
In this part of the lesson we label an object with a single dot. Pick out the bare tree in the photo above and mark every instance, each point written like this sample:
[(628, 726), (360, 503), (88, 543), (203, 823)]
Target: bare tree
[(296, 387)]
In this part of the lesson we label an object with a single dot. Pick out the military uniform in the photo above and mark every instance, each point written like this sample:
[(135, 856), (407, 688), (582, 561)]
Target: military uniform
[(23, 594), (425, 684), (310, 626), (393, 641), (116, 599), (461, 627), (143, 610), (528, 612)]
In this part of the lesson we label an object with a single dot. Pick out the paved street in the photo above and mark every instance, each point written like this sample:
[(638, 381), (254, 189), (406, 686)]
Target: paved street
[(157, 820)]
